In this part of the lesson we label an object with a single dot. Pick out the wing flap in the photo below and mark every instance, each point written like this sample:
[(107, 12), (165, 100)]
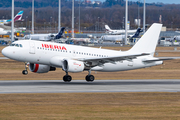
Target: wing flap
[(101, 60)]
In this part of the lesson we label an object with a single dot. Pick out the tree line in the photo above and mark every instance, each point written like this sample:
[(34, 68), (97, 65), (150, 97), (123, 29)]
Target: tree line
[(110, 12)]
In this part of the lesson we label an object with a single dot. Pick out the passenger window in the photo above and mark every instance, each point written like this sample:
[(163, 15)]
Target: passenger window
[(20, 45)]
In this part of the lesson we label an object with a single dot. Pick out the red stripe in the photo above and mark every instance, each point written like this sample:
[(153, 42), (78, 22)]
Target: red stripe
[(36, 67)]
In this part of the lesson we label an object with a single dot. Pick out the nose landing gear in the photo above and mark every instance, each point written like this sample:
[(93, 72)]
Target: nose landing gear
[(25, 72)]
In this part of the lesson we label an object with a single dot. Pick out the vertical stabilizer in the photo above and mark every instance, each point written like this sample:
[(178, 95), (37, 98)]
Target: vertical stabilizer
[(136, 34), (107, 28), (59, 35), (147, 43), (18, 17)]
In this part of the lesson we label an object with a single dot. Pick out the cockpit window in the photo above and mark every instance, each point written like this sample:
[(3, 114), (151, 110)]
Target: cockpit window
[(16, 45), (12, 44)]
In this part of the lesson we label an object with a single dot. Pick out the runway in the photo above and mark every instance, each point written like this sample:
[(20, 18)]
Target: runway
[(81, 86)]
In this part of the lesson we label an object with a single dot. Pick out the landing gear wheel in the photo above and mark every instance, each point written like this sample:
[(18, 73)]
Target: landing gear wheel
[(67, 78), (24, 72), (89, 78)]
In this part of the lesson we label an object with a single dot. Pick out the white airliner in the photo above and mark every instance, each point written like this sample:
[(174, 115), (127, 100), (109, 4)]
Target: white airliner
[(119, 38), (116, 32), (46, 56)]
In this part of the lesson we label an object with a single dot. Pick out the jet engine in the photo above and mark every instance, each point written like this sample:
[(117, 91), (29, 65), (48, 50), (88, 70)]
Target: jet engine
[(73, 66), (39, 68)]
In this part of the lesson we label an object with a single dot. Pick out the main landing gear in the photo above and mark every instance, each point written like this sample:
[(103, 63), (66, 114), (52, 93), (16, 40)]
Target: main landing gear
[(89, 77), (67, 78), (25, 72)]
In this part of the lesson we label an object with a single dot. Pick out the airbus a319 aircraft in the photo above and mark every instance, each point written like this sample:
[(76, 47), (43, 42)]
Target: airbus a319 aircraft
[(46, 56)]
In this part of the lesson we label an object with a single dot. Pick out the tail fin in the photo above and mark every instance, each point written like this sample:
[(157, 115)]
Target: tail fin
[(59, 35), (147, 43), (139, 30), (18, 17), (107, 28)]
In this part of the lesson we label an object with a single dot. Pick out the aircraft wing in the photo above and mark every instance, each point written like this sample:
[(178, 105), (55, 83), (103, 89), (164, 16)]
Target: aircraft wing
[(102, 60)]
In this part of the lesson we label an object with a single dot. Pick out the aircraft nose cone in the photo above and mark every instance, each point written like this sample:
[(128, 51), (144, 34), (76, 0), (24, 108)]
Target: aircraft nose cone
[(5, 52)]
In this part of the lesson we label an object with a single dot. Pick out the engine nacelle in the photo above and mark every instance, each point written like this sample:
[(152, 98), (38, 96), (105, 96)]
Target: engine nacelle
[(73, 66), (38, 68)]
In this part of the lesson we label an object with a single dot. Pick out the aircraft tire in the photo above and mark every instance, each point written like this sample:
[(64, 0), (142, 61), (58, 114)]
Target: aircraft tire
[(67, 78), (89, 78), (24, 72)]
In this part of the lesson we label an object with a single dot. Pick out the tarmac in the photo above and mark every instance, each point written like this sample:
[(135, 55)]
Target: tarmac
[(81, 86), (3, 58)]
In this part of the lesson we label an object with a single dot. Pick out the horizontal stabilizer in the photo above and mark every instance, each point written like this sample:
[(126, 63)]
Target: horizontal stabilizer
[(157, 59)]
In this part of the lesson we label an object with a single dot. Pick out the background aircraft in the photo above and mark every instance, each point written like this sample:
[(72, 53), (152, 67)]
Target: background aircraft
[(18, 17), (45, 37), (116, 32), (3, 32), (120, 38)]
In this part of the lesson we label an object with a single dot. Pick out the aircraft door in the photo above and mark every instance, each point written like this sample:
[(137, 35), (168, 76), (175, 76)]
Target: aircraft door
[(31, 47)]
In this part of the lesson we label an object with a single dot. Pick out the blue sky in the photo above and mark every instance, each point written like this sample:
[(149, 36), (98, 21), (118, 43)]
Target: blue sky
[(163, 1)]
